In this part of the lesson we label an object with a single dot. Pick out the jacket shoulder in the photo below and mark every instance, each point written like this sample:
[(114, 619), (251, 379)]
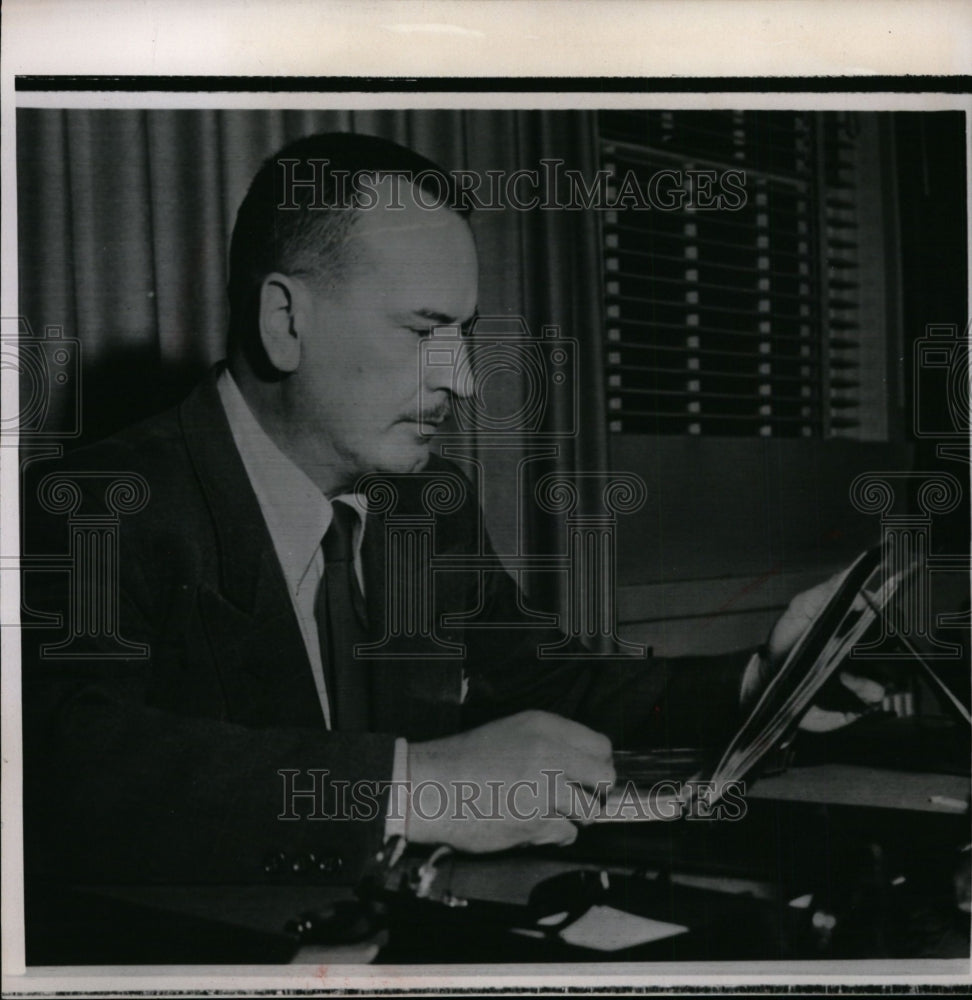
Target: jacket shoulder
[(143, 444)]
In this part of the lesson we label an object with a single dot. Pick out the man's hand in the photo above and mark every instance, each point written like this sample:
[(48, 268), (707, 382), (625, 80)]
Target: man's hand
[(510, 782), (797, 618), (786, 632)]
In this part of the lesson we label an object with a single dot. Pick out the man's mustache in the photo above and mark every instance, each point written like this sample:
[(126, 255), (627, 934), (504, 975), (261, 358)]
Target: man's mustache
[(435, 416)]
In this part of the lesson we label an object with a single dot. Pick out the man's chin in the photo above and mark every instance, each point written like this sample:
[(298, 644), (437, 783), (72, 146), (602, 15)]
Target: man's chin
[(422, 462), (406, 460)]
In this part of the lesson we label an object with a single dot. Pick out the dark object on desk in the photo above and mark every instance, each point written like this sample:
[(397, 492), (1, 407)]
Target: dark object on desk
[(570, 894), (584, 916), (799, 881), (344, 922), (897, 906)]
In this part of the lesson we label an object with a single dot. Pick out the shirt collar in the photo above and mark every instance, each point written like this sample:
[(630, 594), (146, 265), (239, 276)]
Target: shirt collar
[(296, 511)]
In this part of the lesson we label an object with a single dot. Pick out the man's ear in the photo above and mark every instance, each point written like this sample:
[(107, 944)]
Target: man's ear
[(282, 317)]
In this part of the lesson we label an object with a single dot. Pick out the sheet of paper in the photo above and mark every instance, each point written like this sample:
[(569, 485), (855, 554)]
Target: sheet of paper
[(605, 928)]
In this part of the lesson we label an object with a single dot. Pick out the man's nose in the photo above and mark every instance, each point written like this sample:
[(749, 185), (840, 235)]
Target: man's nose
[(448, 366)]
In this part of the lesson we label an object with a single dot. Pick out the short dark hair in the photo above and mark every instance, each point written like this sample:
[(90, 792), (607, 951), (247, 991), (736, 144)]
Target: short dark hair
[(298, 212)]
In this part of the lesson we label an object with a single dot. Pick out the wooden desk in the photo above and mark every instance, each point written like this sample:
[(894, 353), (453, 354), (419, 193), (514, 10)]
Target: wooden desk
[(866, 787)]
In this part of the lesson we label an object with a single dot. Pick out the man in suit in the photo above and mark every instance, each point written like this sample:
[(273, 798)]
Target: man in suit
[(256, 565)]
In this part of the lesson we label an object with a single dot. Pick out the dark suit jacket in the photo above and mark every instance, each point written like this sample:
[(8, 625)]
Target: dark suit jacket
[(165, 768)]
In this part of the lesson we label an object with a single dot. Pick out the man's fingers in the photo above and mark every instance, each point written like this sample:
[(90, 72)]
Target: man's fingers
[(574, 734), (553, 830), (869, 691), (800, 612), (581, 754), (823, 592), (811, 601), (573, 801), (820, 720), (592, 772)]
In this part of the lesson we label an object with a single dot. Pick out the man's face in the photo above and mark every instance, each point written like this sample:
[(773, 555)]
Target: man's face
[(356, 393)]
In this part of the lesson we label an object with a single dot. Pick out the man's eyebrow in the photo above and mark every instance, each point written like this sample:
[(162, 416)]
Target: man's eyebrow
[(443, 319)]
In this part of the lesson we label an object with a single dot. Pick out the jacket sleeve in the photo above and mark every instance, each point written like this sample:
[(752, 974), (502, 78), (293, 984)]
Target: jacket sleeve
[(134, 773), (651, 702)]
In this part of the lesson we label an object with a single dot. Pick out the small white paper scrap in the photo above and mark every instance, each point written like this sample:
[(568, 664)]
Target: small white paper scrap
[(606, 929)]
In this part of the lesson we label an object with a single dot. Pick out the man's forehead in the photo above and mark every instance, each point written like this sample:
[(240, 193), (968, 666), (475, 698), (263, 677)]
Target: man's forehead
[(415, 253), (384, 225)]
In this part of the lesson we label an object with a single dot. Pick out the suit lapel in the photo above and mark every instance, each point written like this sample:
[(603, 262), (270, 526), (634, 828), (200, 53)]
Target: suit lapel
[(249, 618)]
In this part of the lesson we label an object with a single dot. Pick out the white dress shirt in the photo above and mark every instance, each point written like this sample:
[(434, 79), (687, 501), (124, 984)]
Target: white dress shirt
[(297, 515)]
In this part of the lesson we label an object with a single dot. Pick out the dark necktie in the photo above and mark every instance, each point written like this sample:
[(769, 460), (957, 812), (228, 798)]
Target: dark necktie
[(340, 613)]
